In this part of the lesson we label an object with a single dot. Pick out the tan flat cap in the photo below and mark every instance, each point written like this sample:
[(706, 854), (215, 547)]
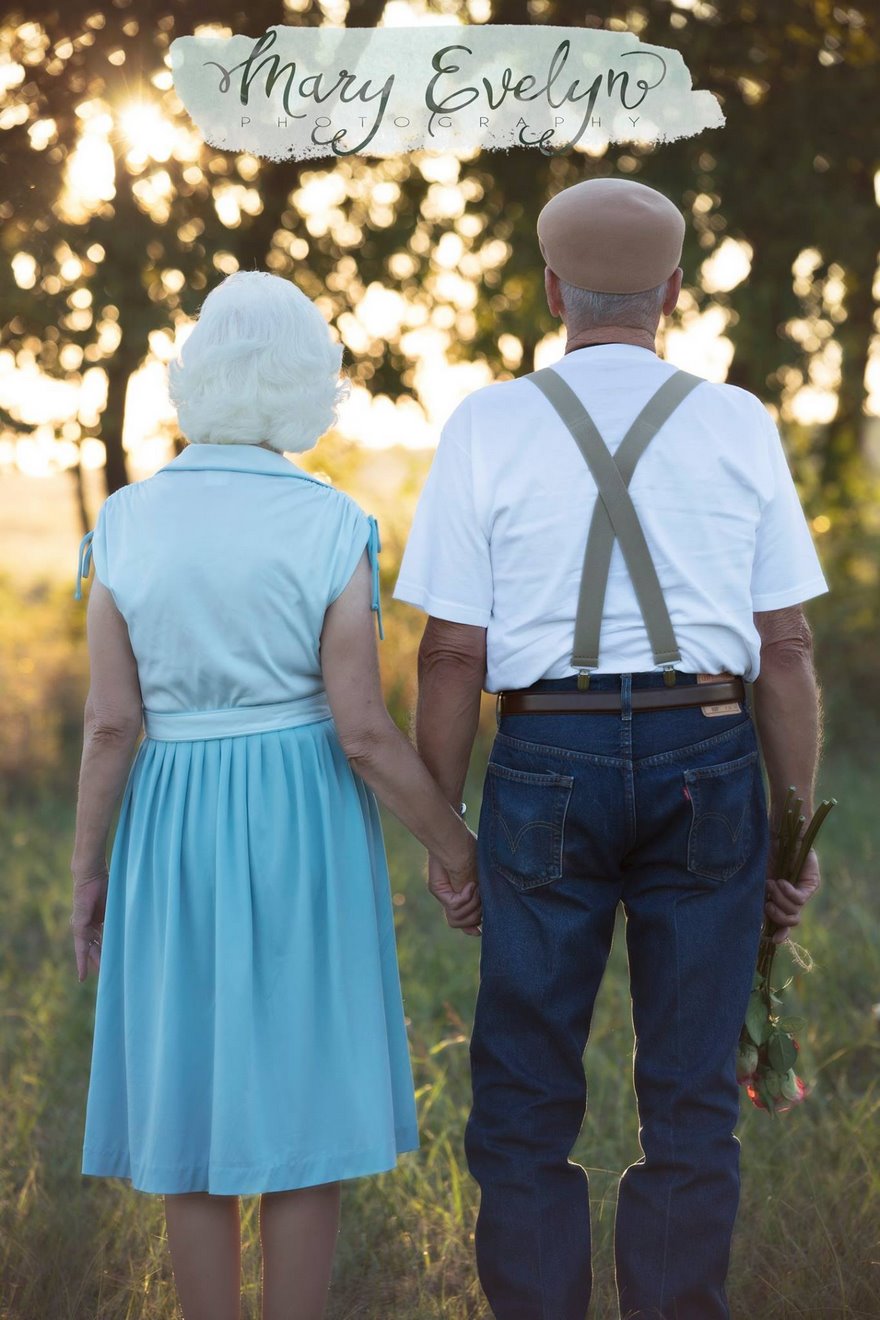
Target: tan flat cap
[(611, 235)]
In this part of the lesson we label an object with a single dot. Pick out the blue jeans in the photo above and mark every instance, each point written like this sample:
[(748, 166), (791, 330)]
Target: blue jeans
[(665, 812)]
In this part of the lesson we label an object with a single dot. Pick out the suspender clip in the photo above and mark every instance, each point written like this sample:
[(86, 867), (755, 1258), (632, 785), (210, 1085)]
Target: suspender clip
[(583, 680), (669, 675)]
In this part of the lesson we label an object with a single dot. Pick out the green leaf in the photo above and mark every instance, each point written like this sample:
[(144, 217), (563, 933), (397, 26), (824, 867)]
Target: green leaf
[(757, 981), (781, 1051), (792, 1024), (757, 1023)]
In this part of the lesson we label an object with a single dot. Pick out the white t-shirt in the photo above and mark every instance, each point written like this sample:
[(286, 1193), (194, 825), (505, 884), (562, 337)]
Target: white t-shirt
[(500, 529)]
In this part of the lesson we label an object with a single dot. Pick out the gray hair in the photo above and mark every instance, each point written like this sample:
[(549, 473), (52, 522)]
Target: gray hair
[(584, 308), (259, 365)]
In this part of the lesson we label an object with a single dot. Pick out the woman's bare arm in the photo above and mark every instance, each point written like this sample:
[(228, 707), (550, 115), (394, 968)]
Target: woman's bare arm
[(377, 750), (111, 725), (112, 722)]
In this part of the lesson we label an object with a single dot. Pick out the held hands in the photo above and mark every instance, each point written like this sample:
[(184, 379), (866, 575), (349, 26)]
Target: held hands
[(458, 890), (87, 919), (785, 900)]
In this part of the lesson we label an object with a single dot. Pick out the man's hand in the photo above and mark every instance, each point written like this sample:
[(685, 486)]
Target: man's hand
[(459, 895), (785, 900)]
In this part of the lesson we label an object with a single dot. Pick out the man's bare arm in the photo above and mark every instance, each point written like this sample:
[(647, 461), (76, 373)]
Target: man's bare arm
[(788, 716), (787, 710), (452, 668)]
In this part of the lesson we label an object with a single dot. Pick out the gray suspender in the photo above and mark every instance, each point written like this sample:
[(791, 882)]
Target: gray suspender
[(615, 515)]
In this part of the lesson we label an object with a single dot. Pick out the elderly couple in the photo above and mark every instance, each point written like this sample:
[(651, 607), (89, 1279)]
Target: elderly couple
[(249, 1029)]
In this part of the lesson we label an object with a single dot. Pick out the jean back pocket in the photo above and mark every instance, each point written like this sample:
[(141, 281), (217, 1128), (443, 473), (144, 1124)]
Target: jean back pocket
[(527, 823), (722, 799)]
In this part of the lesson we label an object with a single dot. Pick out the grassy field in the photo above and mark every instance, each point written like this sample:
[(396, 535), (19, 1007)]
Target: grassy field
[(806, 1244)]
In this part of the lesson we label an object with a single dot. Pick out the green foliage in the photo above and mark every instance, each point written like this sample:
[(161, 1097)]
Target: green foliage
[(756, 1018), (43, 673), (781, 1051), (791, 170), (845, 624)]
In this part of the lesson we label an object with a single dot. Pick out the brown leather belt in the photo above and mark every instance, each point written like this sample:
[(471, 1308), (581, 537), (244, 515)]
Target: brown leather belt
[(660, 698)]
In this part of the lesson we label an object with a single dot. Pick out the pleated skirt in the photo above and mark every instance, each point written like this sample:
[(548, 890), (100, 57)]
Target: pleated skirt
[(249, 1024)]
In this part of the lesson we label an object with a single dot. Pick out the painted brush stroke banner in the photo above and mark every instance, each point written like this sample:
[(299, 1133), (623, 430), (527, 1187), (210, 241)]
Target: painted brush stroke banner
[(298, 92)]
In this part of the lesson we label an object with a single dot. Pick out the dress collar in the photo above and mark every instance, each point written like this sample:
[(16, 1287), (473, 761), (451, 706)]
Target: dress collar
[(234, 458)]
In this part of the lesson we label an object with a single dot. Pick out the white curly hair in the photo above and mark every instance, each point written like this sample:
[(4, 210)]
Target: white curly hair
[(260, 365)]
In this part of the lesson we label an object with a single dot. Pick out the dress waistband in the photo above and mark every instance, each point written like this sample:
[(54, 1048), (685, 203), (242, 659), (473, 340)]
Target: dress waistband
[(188, 725)]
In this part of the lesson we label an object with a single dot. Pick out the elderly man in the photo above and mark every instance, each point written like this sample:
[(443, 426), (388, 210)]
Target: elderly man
[(614, 494)]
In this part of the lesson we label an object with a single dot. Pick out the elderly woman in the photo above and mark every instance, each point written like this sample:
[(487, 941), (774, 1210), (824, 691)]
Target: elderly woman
[(249, 1029)]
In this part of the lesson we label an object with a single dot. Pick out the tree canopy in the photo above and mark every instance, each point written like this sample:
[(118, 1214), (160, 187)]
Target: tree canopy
[(88, 276)]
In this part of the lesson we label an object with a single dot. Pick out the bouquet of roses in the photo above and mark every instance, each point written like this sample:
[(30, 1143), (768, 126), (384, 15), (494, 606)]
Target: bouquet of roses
[(768, 1047)]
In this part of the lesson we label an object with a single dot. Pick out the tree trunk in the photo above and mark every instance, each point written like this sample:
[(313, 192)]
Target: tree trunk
[(364, 13), (759, 348), (119, 369), (79, 493), (529, 345), (125, 290), (845, 436)]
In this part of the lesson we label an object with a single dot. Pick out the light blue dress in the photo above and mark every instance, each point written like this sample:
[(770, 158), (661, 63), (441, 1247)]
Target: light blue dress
[(249, 1028)]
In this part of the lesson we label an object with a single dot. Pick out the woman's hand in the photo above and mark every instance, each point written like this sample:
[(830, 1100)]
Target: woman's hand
[(458, 890), (87, 918)]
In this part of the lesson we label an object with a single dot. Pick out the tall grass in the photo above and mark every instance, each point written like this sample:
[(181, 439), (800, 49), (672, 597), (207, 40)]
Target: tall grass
[(73, 1247), (806, 1242)]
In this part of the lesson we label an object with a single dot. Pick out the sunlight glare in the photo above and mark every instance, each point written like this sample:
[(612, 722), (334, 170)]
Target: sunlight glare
[(727, 267), (412, 13), (381, 311), (700, 344), (149, 134), (872, 378), (811, 405), (90, 172), (24, 270)]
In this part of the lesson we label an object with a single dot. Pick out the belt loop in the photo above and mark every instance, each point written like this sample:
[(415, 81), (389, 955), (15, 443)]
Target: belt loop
[(626, 697)]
